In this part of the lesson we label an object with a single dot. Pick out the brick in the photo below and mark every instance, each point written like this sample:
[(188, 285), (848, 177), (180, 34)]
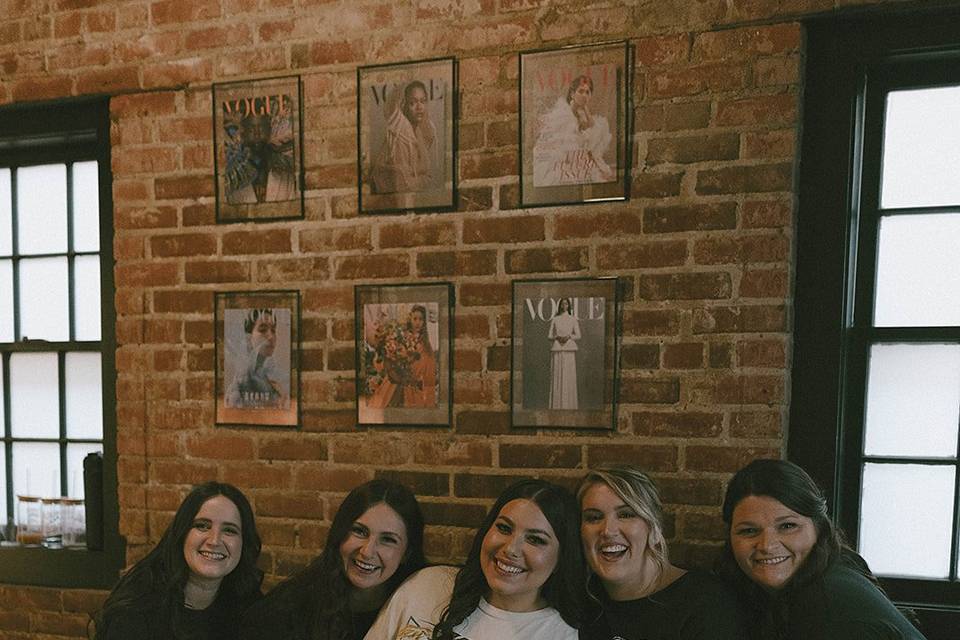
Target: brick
[(604, 224), (481, 486), (215, 272), (687, 149), (475, 199), (741, 389), (498, 358), (756, 424), (182, 472), (685, 355), (724, 459), (642, 254), (662, 50), (371, 266), (740, 319), (303, 506), (452, 514), (472, 326), (764, 283), (686, 424), (339, 238), (702, 526), (640, 356), (218, 446), (456, 263), (421, 483), (694, 491), (149, 218), (183, 187), (503, 229), (777, 72), (651, 322), (546, 260), (762, 353), (684, 286), (647, 457), (301, 269), (328, 479), (417, 234), (648, 184), (745, 179), (536, 456), (373, 450), (769, 111), (720, 355), (679, 116), (696, 80), (475, 295), (483, 422), (146, 274), (167, 12), (769, 145), (747, 42), (650, 391), (692, 217), (256, 242), (453, 452), (742, 250), (180, 301), (183, 245), (759, 214)]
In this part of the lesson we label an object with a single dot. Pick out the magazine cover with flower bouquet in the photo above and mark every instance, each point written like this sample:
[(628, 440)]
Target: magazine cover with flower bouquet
[(403, 354)]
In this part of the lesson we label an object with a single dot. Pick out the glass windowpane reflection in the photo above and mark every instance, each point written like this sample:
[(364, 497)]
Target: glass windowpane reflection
[(86, 297), (918, 282), (44, 313), (42, 209), (6, 216), (84, 395), (36, 468), (34, 396), (906, 519), (6, 301), (86, 207)]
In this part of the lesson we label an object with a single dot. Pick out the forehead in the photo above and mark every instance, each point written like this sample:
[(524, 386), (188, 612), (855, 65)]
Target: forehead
[(265, 319), (525, 514), (763, 509), (219, 509), (381, 517), (416, 91), (600, 495)]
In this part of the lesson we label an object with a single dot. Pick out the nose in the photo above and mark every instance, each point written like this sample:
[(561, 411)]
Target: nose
[(512, 547), (766, 540), (368, 548), (607, 527)]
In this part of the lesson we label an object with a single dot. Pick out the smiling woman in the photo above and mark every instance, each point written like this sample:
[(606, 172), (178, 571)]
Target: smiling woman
[(790, 562), (640, 593), (375, 542), (522, 579), (198, 579)]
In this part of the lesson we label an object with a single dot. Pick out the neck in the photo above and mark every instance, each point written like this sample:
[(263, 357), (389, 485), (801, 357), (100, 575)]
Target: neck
[(200, 593), (516, 604), (648, 582)]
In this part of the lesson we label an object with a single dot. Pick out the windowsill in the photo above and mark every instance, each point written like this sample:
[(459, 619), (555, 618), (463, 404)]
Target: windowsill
[(70, 567)]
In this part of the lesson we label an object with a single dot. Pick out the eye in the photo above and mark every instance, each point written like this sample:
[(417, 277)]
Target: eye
[(359, 530), (788, 526), (538, 541), (746, 532), (503, 528), (626, 514), (201, 525), (591, 516), (390, 540), (231, 530)]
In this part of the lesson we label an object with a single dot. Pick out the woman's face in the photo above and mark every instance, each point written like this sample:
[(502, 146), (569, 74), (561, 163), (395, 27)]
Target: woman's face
[(770, 542), (374, 547), (214, 543), (518, 555), (416, 105), (564, 306), (582, 95), (263, 338), (615, 542), (416, 321)]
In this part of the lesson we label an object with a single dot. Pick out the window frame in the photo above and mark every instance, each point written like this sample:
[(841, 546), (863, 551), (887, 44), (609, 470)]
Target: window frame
[(63, 132)]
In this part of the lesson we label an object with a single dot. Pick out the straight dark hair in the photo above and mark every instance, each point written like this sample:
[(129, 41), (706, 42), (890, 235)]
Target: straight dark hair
[(317, 600), (153, 588), (563, 590)]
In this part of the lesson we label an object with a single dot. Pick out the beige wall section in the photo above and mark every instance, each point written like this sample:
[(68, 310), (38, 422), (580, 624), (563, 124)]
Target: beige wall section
[(704, 245)]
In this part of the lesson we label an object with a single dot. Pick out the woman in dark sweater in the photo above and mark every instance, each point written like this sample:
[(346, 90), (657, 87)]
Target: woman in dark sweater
[(375, 542), (198, 579), (800, 580)]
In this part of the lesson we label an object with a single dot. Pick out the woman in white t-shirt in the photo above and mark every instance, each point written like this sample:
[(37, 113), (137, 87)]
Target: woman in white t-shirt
[(523, 578)]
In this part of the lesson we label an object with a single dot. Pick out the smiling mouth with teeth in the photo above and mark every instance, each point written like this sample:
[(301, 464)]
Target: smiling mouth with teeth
[(366, 567), (613, 551), (771, 561), (508, 568), (213, 555)]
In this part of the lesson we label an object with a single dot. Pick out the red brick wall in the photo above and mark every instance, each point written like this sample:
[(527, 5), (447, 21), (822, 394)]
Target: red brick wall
[(704, 244)]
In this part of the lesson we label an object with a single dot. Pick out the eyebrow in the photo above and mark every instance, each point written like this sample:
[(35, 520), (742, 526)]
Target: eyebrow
[(385, 531), (513, 524)]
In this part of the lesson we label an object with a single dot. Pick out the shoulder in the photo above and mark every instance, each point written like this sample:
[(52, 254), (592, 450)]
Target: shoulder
[(127, 624), (697, 586), (437, 579), (275, 612)]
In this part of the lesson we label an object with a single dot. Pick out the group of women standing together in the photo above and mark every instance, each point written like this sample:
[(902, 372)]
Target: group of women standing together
[(544, 565)]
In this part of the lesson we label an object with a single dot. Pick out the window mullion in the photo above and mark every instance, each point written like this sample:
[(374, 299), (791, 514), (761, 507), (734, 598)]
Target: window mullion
[(7, 432)]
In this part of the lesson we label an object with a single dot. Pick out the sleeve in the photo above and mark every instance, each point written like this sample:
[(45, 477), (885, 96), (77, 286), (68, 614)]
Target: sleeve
[(552, 332), (575, 334), (863, 630)]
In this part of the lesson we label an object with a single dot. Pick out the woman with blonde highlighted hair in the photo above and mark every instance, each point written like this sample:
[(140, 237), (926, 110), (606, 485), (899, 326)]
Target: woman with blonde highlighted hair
[(641, 593)]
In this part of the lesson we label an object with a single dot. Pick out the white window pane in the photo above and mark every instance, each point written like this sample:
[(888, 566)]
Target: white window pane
[(3, 487), (913, 400), (901, 535), (84, 395), (921, 148), (918, 282), (75, 455), (43, 299), (34, 395), (42, 209), (6, 228), (36, 469), (86, 294), (6, 301), (86, 207)]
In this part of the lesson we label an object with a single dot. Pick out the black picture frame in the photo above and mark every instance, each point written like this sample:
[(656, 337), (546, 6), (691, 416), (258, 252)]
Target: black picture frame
[(575, 108), (404, 372), (565, 373), (403, 165), (257, 384), (258, 149)]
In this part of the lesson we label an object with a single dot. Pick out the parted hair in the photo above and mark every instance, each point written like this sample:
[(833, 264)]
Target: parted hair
[(563, 590), (152, 589)]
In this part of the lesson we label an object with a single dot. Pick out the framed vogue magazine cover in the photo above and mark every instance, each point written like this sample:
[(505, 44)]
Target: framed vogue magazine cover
[(403, 354), (564, 355), (574, 124), (258, 149), (257, 358), (407, 136)]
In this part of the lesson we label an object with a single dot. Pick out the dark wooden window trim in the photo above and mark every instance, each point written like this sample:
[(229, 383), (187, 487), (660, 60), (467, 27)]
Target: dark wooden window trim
[(63, 132)]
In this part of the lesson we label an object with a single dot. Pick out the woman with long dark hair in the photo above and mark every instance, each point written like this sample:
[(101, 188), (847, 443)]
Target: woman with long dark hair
[(198, 579), (797, 575), (375, 542), (523, 577), (641, 593)]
